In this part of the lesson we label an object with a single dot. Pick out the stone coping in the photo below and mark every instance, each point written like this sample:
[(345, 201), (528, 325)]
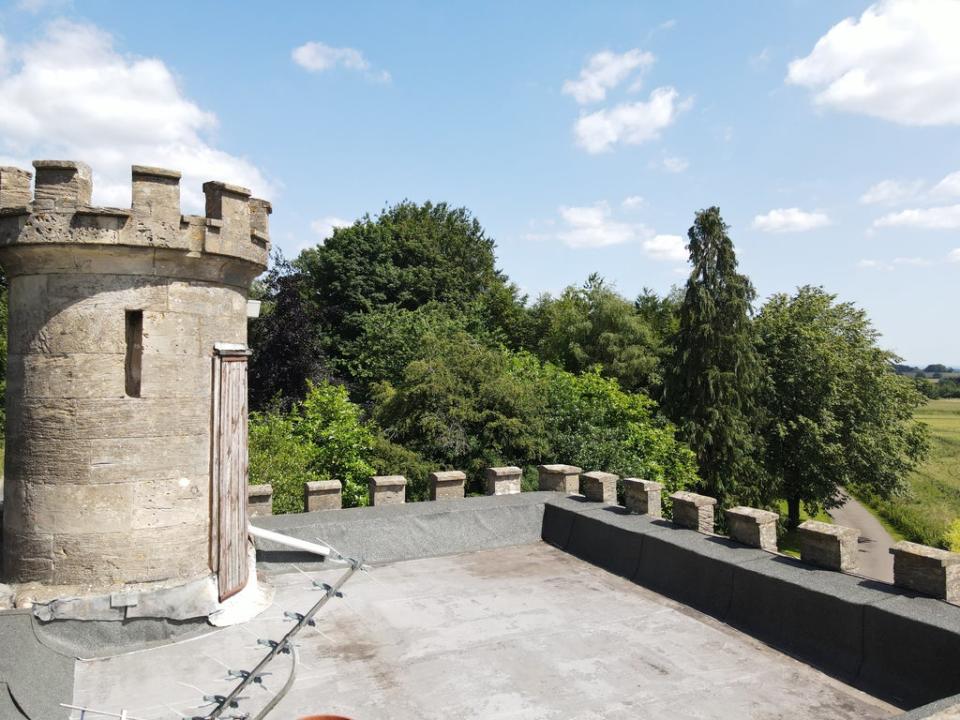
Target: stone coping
[(324, 485), (645, 484), (444, 476), (935, 556), (560, 469), (226, 188), (259, 490), (693, 498), (600, 475), (384, 481), (822, 528), (503, 472), (755, 514), (156, 172)]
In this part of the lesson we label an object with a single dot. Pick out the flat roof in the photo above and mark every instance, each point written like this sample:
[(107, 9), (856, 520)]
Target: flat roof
[(526, 631)]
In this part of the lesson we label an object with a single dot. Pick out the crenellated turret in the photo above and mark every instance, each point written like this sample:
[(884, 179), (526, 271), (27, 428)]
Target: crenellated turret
[(59, 212), (126, 379)]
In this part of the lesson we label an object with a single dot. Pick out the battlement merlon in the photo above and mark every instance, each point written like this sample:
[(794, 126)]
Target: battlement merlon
[(58, 211)]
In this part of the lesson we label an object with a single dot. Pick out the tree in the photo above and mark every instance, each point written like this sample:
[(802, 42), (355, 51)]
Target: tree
[(407, 256), (320, 438), (713, 378), (837, 412), (593, 325), (460, 405), (286, 351)]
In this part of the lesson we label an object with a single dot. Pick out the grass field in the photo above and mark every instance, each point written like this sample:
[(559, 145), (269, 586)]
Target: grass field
[(933, 502)]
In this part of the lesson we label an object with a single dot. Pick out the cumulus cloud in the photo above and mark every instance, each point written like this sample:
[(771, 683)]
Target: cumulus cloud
[(632, 202), (891, 192), (604, 71), (934, 218), (784, 220), (324, 227), (71, 95), (900, 61), (318, 57), (666, 247), (593, 226), (630, 123), (954, 256)]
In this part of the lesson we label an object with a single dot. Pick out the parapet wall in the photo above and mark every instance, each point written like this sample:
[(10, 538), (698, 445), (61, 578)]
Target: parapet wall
[(58, 212)]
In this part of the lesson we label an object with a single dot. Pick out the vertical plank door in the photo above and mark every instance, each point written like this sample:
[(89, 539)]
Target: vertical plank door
[(230, 471)]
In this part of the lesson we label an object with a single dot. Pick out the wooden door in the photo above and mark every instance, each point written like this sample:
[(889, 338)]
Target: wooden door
[(230, 470)]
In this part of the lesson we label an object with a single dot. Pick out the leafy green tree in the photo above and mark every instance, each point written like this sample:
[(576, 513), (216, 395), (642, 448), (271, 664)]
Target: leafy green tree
[(407, 256), (390, 338), (320, 438), (713, 379), (593, 325), (460, 406), (837, 412), (592, 423)]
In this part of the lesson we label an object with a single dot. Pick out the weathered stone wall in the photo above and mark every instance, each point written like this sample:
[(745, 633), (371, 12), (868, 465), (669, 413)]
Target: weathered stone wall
[(108, 482)]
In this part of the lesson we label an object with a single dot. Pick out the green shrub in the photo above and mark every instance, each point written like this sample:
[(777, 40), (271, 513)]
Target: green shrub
[(321, 438)]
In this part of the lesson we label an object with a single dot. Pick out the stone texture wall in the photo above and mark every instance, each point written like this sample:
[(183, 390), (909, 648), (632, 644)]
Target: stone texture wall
[(101, 487)]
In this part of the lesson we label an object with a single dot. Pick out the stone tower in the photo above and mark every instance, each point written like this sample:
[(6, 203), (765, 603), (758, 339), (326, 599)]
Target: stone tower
[(126, 456)]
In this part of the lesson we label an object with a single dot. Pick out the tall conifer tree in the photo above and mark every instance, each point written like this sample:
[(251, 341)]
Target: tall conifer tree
[(712, 381)]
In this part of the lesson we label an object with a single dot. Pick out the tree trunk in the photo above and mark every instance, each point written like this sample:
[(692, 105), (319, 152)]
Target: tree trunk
[(793, 512)]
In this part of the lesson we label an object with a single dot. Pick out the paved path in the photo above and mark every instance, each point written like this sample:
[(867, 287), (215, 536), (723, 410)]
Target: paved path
[(874, 560)]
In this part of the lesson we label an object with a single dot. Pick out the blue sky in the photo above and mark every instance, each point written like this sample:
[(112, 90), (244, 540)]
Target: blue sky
[(582, 136)]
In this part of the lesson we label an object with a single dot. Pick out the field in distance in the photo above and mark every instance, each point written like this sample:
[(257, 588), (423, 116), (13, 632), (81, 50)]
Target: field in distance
[(931, 512)]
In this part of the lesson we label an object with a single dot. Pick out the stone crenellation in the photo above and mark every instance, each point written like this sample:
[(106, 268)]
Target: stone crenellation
[(918, 568), (694, 511), (58, 211)]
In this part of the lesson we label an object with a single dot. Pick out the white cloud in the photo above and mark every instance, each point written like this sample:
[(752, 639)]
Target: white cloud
[(913, 261), (954, 256), (666, 247), (604, 71), (675, 164), (891, 192), (630, 123), (593, 226), (71, 95), (632, 202), (783, 220), (900, 61), (935, 218), (325, 226), (950, 185), (317, 57)]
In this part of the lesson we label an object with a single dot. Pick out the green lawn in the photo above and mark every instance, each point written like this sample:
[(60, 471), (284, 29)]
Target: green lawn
[(933, 502)]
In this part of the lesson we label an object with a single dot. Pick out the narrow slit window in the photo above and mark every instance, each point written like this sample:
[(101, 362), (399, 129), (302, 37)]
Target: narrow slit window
[(134, 352)]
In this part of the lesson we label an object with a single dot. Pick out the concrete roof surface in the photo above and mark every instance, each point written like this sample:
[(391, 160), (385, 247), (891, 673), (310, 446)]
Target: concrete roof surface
[(515, 632)]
